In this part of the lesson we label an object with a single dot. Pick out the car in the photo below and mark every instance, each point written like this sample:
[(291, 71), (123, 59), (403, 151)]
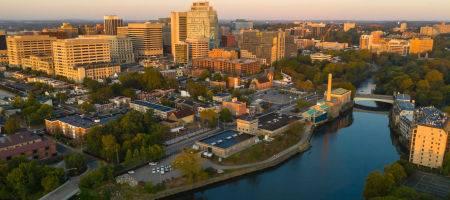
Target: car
[(152, 163), (162, 171), (153, 170), (131, 172), (166, 169), (157, 169)]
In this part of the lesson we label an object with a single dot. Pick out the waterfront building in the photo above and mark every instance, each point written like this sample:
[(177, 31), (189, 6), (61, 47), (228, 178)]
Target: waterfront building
[(20, 47), (227, 143), (120, 48), (429, 137), (237, 108), (181, 52), (147, 38), (74, 126), (81, 58), (198, 47), (26, 144), (420, 45), (275, 123), (238, 66), (247, 125), (402, 114), (202, 22), (111, 22), (42, 63), (221, 53), (178, 22), (348, 26), (160, 111)]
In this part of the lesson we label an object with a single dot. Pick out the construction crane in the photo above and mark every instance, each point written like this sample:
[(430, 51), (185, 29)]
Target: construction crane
[(326, 33)]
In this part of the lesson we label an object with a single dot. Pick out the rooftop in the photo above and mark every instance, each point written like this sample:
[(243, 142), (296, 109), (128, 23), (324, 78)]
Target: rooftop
[(226, 139), (339, 91), (154, 106), (403, 97), (78, 121), (435, 118), (274, 121), (18, 138), (183, 113), (405, 105)]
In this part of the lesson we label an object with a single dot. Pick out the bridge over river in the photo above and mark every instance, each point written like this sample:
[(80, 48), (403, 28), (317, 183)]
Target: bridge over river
[(374, 97)]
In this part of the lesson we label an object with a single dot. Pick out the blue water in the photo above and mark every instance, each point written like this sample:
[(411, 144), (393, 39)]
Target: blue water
[(342, 155)]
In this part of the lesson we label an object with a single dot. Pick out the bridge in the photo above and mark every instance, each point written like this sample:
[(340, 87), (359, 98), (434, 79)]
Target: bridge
[(374, 97)]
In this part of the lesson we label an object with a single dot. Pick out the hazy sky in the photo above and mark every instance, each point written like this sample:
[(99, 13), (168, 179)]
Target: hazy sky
[(230, 9)]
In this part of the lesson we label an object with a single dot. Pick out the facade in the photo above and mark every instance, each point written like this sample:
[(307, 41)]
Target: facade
[(72, 31), (202, 22), (111, 23), (263, 82), (160, 111), (185, 116), (442, 28), (238, 66), (27, 144), (43, 63), (178, 23), (147, 38), (237, 108), (348, 26), (4, 57), (331, 45), (120, 48), (228, 41), (320, 57), (59, 34), (429, 138), (240, 24), (181, 52), (247, 125), (198, 48), (70, 54), (428, 31), (227, 143), (95, 71), (20, 47), (3, 45), (220, 53), (418, 45), (74, 126)]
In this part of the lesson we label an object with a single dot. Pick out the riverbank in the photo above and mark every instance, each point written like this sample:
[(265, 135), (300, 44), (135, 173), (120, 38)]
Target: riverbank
[(274, 161)]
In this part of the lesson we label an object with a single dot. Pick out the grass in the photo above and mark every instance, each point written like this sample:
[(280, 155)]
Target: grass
[(265, 150)]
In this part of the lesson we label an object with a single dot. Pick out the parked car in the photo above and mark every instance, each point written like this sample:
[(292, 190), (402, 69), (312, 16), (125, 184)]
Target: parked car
[(152, 163), (153, 170), (131, 172)]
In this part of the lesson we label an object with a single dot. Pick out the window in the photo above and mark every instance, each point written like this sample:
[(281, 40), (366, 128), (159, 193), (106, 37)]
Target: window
[(35, 151)]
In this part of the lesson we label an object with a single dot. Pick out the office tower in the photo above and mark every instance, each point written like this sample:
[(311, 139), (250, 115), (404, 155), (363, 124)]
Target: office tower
[(348, 26), (71, 31), (418, 45), (147, 38), (178, 23), (429, 137), (224, 30), (202, 22), (83, 58), (240, 24), (20, 47), (317, 29), (121, 48), (198, 47), (268, 47), (181, 52), (84, 29), (228, 41), (111, 22), (365, 41), (2, 40), (239, 66)]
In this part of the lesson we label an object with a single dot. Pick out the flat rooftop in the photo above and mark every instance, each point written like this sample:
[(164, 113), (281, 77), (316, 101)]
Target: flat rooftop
[(226, 139), (154, 106), (405, 105), (274, 121), (339, 91)]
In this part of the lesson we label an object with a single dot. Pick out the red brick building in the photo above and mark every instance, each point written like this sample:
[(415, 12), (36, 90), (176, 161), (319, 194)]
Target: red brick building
[(228, 41), (27, 144), (238, 66)]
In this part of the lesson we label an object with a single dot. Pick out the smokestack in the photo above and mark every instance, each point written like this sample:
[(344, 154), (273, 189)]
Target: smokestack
[(330, 77)]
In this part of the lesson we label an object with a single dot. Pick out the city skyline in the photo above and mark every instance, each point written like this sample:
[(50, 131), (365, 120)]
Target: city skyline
[(251, 9)]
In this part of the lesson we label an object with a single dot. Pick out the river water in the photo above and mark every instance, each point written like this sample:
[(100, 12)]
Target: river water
[(343, 153)]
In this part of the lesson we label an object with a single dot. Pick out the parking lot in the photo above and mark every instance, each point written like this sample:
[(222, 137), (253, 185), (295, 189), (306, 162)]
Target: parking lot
[(430, 184), (145, 173), (275, 97)]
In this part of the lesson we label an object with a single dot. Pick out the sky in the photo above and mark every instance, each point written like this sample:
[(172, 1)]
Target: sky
[(395, 10)]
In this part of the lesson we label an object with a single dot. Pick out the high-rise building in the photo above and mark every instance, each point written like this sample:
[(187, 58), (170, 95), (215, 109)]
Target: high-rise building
[(228, 41), (83, 58), (178, 22), (348, 26), (198, 47), (147, 38), (442, 28), (240, 24), (71, 31), (418, 45), (121, 48), (181, 52), (111, 22), (429, 137), (20, 47), (267, 47), (202, 22), (2, 40)]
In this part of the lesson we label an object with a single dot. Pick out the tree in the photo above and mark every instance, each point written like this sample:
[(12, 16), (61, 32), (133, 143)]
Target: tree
[(378, 185), (396, 170), (76, 162), (190, 165), (225, 115), (128, 158), (111, 147), (205, 74), (210, 116), (87, 107), (12, 125), (50, 183), (302, 104), (405, 192)]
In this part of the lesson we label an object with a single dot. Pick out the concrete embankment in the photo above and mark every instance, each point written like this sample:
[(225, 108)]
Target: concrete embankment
[(234, 174)]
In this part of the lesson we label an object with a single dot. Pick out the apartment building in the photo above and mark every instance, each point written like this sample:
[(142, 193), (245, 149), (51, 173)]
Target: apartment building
[(27, 144), (220, 53), (120, 48), (181, 52), (160, 111), (237, 108), (43, 63), (420, 45), (111, 22), (20, 47), (198, 47), (238, 66), (147, 38)]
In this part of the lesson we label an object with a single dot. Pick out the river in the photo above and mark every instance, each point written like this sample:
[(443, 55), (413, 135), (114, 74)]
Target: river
[(343, 153)]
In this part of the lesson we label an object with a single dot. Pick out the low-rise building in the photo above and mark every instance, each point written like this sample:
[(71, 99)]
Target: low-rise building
[(185, 116), (222, 97), (238, 66), (237, 108), (320, 57), (160, 111), (120, 101), (42, 63), (275, 123), (262, 83), (247, 125), (227, 143), (27, 144)]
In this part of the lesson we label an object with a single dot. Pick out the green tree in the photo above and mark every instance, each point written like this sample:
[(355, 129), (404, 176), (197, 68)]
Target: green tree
[(12, 125), (378, 185), (190, 165), (210, 116), (128, 158), (303, 104), (86, 107), (225, 115), (205, 74), (111, 148), (77, 162), (404, 192), (396, 170), (50, 183)]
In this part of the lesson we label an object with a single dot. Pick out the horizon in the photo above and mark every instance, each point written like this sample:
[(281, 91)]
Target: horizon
[(325, 10)]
